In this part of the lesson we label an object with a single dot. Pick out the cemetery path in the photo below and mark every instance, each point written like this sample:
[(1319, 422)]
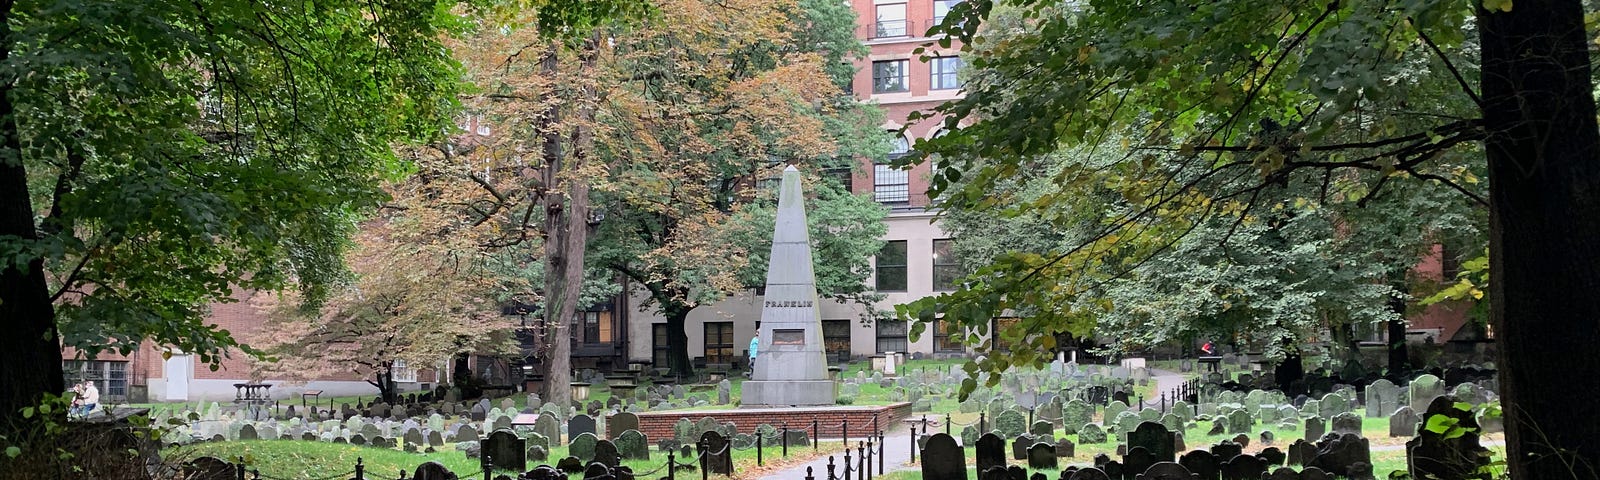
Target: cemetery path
[(896, 451), (1165, 382)]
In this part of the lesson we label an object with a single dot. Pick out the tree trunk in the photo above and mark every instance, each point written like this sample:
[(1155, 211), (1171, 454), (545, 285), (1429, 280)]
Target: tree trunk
[(678, 340), (1543, 149), (566, 223), (31, 349), (1399, 355), (385, 384)]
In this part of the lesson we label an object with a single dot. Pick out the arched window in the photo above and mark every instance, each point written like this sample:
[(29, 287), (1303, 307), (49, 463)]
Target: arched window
[(889, 184)]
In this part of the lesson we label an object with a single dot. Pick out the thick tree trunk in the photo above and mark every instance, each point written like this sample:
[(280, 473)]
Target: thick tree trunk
[(31, 350), (1399, 355), (566, 222), (678, 341), (1544, 162)]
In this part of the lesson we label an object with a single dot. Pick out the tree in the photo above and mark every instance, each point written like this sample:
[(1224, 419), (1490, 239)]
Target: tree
[(420, 302), (1242, 89), (156, 156), (665, 125)]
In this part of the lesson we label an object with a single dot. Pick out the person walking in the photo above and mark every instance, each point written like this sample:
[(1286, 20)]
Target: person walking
[(755, 343)]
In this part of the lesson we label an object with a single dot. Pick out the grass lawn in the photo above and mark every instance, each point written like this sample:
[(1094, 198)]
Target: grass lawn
[(295, 459)]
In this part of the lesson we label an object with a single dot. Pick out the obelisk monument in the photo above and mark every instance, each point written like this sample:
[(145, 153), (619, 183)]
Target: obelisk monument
[(791, 368)]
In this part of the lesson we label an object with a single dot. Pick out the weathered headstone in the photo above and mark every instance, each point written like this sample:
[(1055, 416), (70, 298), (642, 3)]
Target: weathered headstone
[(1346, 422), (1422, 390), (943, 459), (1240, 421), (621, 422), (1344, 455), (1042, 455), (633, 445), (1315, 427), (1202, 463), (991, 452), (548, 426), (717, 451), (1403, 423), (1156, 439), (582, 446), (1383, 397), (580, 424), (1243, 467), (606, 453), (432, 471), (505, 450), (1091, 434), (1450, 454)]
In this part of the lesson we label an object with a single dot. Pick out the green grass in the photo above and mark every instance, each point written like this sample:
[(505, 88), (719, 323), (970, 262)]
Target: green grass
[(304, 460)]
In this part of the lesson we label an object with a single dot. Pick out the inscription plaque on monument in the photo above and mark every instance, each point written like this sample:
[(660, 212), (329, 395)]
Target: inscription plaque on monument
[(788, 337)]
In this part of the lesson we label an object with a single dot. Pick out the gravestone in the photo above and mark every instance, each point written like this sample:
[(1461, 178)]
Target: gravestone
[(1383, 397), (1065, 448), (1090, 474), (1450, 454), (1166, 471), (432, 471), (1091, 434), (1239, 421), (1344, 455), (1156, 439), (1315, 427), (791, 367), (1273, 456), (991, 452), (413, 437), (622, 422), (606, 453), (435, 439), (633, 445), (1042, 455), (466, 434), (1347, 422), (1267, 437), (1226, 450), (1332, 405), (248, 432), (1019, 446), (1074, 414), (1422, 390), (548, 426), (1243, 467), (582, 446), (505, 450), (1403, 423), (1202, 463), (1138, 459), (1010, 424), (717, 451), (580, 424), (1042, 427)]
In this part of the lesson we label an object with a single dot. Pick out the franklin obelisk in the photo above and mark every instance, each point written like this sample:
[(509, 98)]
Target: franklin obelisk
[(791, 368)]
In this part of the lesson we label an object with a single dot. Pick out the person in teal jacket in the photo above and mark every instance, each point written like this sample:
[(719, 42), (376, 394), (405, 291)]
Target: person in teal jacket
[(754, 343)]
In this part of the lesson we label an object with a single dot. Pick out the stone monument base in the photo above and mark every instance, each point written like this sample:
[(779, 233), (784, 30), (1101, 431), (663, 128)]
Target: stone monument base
[(779, 393)]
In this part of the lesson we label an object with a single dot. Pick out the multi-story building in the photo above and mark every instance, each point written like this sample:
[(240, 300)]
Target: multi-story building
[(916, 261)]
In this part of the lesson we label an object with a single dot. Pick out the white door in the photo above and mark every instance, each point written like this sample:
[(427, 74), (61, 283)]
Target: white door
[(178, 368)]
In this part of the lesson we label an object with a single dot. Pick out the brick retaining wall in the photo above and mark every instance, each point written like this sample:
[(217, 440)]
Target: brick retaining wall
[(658, 425)]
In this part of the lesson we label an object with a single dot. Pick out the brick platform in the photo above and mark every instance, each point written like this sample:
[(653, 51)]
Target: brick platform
[(658, 425)]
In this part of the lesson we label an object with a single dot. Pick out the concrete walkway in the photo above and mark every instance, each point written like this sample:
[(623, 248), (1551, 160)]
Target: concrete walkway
[(896, 453)]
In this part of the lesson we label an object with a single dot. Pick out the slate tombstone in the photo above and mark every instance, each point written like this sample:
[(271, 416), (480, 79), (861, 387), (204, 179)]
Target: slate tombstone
[(1347, 422), (1011, 423), (1202, 463), (580, 424), (1243, 467), (1273, 456), (1437, 455), (1226, 450), (1315, 427), (1156, 439), (1089, 474), (548, 426), (582, 446), (1076, 413), (435, 439), (1166, 471), (1019, 446), (1042, 456), (413, 436), (1137, 460), (1041, 427), (1239, 421), (505, 450), (943, 459), (1403, 423), (1301, 452), (994, 473), (717, 452), (606, 453), (1065, 448), (1091, 434), (248, 432), (1422, 390), (478, 413), (432, 471), (466, 434), (633, 445), (622, 422), (991, 452), (1383, 397), (1341, 454)]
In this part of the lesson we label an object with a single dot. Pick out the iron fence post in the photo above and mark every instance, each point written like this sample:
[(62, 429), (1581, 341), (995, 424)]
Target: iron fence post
[(672, 464), (758, 449), (815, 434), (784, 439)]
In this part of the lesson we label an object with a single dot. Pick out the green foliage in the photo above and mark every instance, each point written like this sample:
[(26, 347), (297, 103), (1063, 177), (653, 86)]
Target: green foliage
[(1158, 171), (179, 151)]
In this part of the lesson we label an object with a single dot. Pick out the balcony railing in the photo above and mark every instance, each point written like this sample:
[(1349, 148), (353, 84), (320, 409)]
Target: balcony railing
[(896, 29)]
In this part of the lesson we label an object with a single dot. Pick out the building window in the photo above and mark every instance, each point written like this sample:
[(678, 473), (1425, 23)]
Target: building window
[(889, 76), (719, 343), (889, 184), (401, 373), (941, 8), (943, 73), (946, 336), (594, 327), (947, 273), (658, 345), (891, 336), (836, 338), (110, 378), (891, 267), (843, 176), (891, 20)]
